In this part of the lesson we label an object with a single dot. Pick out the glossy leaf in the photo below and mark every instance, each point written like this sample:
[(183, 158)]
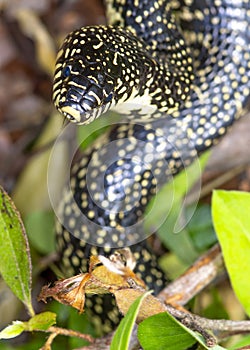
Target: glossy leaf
[(162, 331), (41, 321), (122, 335), (230, 211), (15, 263), (13, 330)]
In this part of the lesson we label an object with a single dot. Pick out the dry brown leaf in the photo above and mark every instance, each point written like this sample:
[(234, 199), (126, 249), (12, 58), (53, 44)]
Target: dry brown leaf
[(101, 279)]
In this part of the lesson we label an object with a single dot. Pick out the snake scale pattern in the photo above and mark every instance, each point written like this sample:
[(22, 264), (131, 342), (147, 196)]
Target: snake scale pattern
[(189, 60)]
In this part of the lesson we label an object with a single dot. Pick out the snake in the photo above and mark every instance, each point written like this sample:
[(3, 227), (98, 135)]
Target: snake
[(178, 73)]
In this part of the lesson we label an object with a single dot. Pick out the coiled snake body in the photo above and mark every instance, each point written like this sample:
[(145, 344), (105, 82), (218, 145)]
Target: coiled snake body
[(195, 93)]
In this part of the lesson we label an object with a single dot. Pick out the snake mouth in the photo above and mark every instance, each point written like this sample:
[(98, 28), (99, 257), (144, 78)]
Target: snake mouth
[(71, 113), (76, 116), (79, 110), (83, 106)]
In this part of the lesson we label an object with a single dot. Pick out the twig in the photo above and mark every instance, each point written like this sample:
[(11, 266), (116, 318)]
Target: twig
[(68, 332), (47, 345), (196, 278), (223, 327), (104, 342), (179, 292)]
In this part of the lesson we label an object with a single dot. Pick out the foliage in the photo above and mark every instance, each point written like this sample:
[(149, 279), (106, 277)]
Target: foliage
[(122, 335), (15, 263), (185, 242), (231, 220), (229, 211), (162, 331), (15, 267)]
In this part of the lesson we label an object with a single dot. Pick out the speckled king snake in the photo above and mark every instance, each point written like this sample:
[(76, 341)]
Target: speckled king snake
[(196, 92)]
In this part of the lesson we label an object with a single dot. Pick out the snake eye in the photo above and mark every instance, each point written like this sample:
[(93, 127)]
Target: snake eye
[(66, 71), (108, 98)]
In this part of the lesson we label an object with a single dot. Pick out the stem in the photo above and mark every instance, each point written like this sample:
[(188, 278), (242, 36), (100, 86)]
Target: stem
[(224, 327), (196, 278), (179, 292), (47, 345), (70, 332), (30, 309)]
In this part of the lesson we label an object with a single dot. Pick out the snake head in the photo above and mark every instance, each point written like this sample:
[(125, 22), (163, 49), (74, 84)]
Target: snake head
[(82, 91), (87, 74), (98, 67), (84, 94)]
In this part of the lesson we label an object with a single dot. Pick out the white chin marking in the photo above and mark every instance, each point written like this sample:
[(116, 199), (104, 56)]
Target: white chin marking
[(70, 112)]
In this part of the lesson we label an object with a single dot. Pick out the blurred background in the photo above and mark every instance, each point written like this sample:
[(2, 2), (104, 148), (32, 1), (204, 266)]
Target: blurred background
[(30, 34)]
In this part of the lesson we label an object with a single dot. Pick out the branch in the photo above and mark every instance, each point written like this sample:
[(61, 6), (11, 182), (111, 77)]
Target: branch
[(170, 299), (196, 278), (222, 328), (104, 342)]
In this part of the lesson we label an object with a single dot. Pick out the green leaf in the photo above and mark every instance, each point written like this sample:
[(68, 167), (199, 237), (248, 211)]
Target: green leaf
[(15, 263), (41, 321), (122, 335), (40, 230), (230, 211), (201, 228), (244, 341), (162, 331), (13, 330)]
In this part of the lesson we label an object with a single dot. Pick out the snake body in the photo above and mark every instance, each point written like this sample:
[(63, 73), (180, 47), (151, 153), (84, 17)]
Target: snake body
[(196, 93)]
